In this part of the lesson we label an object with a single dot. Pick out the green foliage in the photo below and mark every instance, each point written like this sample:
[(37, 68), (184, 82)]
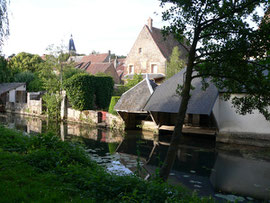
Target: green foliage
[(85, 91), (103, 91), (42, 168), (53, 71), (32, 80), (53, 105), (80, 91), (120, 89), (226, 46), (69, 71), (175, 64), (25, 62), (36, 84), (4, 71), (114, 100), (4, 21), (134, 81)]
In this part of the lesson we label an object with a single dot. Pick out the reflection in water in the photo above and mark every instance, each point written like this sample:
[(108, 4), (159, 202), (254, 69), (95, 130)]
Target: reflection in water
[(200, 164)]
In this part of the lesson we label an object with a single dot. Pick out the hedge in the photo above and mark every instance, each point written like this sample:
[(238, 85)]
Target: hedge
[(104, 90), (87, 91), (114, 100)]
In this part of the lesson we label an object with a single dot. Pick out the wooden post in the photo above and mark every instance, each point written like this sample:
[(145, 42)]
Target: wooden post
[(196, 120)]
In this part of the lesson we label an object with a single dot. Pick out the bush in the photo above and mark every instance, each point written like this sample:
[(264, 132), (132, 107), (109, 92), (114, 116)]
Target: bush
[(84, 91), (114, 100), (80, 91), (42, 168), (120, 89), (104, 89)]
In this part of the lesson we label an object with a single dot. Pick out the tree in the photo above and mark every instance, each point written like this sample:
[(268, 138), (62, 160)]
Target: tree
[(224, 48), (53, 71), (4, 22), (134, 81), (25, 62), (175, 64), (4, 71)]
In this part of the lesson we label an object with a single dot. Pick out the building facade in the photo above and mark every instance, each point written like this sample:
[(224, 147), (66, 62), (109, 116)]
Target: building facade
[(150, 53)]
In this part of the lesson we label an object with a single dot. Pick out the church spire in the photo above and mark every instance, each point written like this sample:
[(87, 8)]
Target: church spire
[(71, 47)]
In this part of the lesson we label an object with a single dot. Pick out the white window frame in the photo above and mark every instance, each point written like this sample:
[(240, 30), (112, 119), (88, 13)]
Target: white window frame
[(152, 65), (132, 70)]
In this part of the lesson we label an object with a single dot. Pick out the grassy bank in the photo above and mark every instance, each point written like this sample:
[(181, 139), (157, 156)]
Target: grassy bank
[(42, 168)]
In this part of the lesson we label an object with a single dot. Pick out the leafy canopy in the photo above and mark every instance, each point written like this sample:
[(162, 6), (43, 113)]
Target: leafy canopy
[(4, 71), (25, 62)]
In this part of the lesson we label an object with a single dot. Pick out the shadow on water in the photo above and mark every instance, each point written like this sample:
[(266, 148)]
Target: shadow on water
[(219, 170)]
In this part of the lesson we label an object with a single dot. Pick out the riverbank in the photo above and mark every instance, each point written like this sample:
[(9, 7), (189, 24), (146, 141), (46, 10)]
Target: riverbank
[(44, 168)]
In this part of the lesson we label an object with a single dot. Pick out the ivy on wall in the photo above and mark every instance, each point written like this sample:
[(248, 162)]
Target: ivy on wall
[(87, 92), (114, 100)]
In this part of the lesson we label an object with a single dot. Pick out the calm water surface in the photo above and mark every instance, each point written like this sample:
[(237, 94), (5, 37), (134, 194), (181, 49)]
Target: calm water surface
[(226, 172)]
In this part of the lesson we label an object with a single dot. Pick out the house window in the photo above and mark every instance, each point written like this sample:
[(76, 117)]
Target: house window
[(140, 50), (86, 65), (154, 68), (130, 69)]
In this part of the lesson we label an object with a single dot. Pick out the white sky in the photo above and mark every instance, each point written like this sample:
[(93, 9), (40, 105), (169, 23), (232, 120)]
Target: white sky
[(99, 25)]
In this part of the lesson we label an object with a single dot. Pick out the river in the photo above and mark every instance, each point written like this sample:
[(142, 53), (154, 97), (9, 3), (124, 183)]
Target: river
[(224, 171)]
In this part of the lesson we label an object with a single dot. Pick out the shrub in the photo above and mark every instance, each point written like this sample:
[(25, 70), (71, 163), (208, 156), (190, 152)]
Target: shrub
[(80, 91), (84, 91), (114, 100), (104, 89)]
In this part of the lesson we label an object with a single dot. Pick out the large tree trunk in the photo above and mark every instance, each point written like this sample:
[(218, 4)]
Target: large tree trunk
[(171, 154), (185, 94)]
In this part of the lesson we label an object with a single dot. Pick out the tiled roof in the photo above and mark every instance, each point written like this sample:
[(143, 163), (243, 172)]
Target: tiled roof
[(95, 68), (135, 98), (5, 87), (165, 98), (96, 58), (167, 44)]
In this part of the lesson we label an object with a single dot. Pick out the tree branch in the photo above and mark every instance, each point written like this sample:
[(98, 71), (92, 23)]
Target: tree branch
[(235, 10)]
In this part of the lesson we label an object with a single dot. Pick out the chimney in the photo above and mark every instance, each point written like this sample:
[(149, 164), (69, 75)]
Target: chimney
[(150, 23), (109, 52), (115, 62)]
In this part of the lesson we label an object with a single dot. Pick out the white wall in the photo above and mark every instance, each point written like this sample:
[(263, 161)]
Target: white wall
[(12, 93), (229, 121)]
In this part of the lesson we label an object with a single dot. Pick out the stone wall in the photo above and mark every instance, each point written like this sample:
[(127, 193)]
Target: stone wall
[(92, 118), (34, 107), (88, 116), (144, 54)]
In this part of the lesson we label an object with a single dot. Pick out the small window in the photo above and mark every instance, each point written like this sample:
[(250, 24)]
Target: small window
[(154, 68), (79, 65), (130, 69), (86, 66), (140, 50)]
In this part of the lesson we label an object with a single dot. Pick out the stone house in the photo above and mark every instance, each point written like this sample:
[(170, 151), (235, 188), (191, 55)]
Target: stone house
[(150, 53)]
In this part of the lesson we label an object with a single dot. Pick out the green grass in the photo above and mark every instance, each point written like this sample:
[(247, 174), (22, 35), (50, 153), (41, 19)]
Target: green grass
[(42, 168)]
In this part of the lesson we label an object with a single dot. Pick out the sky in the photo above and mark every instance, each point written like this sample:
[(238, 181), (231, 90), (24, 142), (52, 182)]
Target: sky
[(98, 25)]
